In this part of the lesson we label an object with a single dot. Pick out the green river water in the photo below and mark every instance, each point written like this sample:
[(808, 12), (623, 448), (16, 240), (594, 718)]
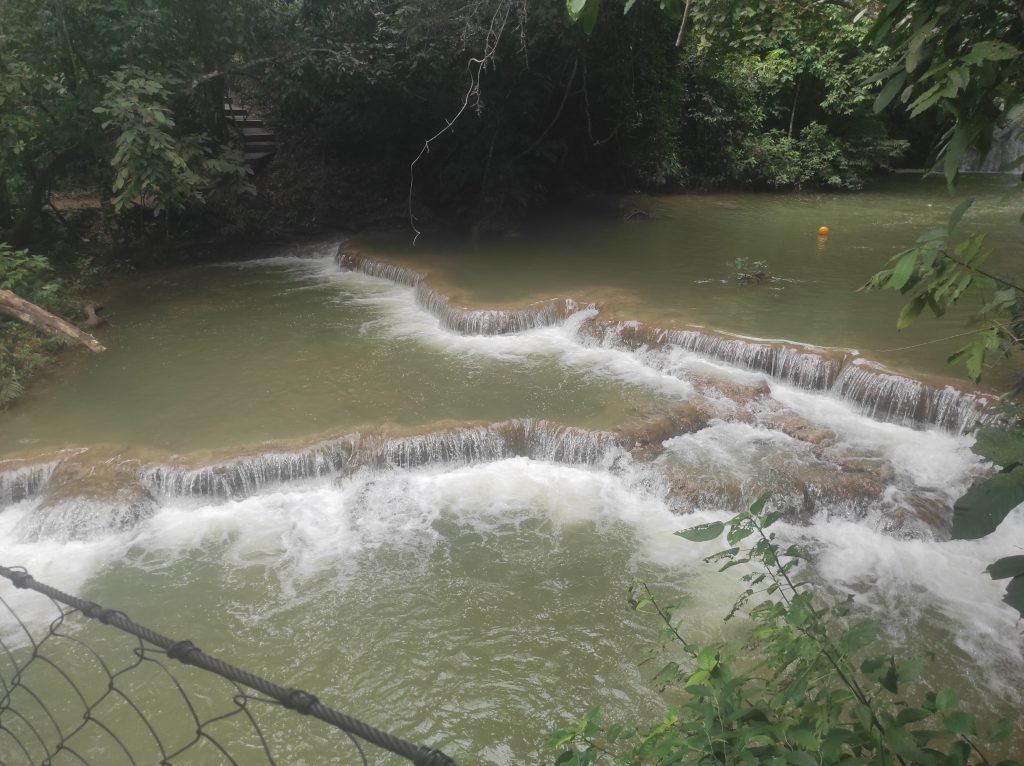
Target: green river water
[(474, 597)]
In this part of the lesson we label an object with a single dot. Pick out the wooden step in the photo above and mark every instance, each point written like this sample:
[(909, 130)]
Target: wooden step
[(235, 111), (255, 157), (245, 122), (260, 146), (257, 133)]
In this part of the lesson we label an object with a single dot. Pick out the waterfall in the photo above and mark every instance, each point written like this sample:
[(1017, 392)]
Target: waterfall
[(25, 481), (884, 395), (1007, 147), (245, 476), (877, 391), (461, 320), (84, 518)]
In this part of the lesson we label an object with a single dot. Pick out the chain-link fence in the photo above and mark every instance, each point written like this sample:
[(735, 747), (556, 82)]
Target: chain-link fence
[(90, 686)]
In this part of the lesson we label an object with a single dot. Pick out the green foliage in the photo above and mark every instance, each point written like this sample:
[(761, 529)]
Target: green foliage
[(807, 687), (749, 272), (941, 269), (125, 95), (776, 93), (152, 165), (22, 349), (960, 59), (28, 275)]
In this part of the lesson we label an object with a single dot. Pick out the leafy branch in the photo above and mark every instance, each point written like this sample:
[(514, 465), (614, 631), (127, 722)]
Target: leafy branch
[(805, 688)]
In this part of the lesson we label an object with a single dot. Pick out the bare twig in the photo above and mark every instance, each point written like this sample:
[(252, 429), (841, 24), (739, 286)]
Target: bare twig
[(682, 26), (475, 68)]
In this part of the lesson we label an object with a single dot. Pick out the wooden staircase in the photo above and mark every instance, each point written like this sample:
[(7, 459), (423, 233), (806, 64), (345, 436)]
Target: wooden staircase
[(259, 145)]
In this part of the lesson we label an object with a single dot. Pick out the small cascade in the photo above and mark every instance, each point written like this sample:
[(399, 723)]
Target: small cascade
[(462, 446), (24, 482), (245, 476), (884, 395), (544, 440), (380, 269), (85, 518), (1007, 148), (460, 320), (880, 393), (493, 321), (801, 365)]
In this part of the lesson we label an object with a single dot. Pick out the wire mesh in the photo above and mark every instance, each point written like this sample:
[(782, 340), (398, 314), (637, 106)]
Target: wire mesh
[(87, 685)]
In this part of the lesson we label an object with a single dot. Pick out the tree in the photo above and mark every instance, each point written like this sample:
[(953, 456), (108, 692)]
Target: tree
[(963, 61), (110, 91)]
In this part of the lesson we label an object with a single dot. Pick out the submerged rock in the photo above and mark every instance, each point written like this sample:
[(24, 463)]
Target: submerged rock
[(89, 495), (800, 428)]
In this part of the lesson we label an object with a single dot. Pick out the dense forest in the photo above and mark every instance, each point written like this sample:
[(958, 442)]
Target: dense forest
[(114, 147)]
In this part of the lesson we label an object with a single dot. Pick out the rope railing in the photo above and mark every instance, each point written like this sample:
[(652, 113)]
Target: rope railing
[(36, 730)]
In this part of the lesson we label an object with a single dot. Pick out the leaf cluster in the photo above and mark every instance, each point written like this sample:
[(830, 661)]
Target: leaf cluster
[(809, 685)]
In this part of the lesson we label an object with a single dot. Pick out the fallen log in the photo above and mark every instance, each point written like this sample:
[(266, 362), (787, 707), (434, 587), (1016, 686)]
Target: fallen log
[(31, 314)]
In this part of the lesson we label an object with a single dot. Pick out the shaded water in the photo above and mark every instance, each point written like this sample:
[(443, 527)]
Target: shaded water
[(676, 267), (441, 532), (226, 356)]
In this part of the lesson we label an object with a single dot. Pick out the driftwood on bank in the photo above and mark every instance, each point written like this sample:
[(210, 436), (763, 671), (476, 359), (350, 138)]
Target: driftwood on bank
[(29, 313)]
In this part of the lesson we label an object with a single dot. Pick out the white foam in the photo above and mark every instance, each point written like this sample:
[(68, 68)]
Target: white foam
[(932, 459), (924, 591), (403, 318)]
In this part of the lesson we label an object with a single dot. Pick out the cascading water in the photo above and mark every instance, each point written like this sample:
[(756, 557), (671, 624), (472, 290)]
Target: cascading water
[(20, 482), (882, 393), (475, 564)]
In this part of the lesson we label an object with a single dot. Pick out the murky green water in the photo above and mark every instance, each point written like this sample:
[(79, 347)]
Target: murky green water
[(220, 357), (475, 605), (676, 266)]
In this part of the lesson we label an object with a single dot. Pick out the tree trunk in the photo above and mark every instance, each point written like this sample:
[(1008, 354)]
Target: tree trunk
[(21, 233), (29, 313)]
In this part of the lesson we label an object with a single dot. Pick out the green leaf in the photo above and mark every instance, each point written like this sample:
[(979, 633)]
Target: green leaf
[(575, 7), (703, 532), (590, 15), (959, 723), (903, 744), (958, 214), (1000, 730), (708, 658), (902, 271), (911, 311), (805, 739), (991, 51), (758, 505), (912, 715), (1002, 447), (984, 507), (945, 701), (1011, 566), (888, 93), (858, 636)]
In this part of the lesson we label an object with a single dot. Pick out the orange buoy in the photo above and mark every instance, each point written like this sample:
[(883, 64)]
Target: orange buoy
[(823, 231)]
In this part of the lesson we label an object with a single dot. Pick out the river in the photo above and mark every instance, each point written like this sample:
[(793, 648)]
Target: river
[(420, 482)]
